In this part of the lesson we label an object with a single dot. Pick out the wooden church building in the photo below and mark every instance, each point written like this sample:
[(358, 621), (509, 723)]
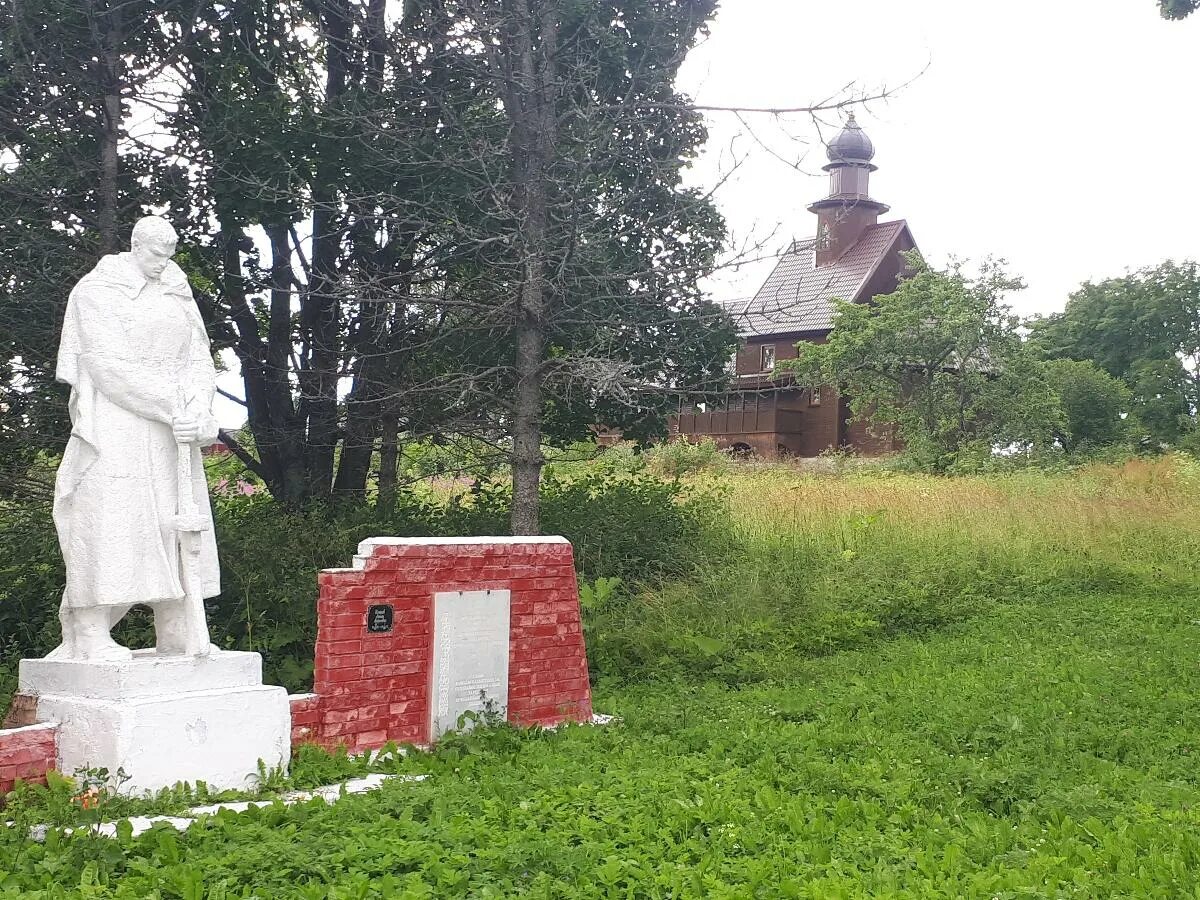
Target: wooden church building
[(855, 257)]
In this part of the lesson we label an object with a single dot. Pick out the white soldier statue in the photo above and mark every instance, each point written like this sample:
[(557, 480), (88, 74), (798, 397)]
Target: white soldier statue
[(130, 500)]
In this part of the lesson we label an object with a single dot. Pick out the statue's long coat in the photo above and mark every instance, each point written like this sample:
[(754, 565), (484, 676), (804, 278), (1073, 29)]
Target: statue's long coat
[(135, 355)]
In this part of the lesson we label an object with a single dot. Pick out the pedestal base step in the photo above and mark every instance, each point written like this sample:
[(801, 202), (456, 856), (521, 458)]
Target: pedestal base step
[(146, 675), (164, 720), (218, 737)]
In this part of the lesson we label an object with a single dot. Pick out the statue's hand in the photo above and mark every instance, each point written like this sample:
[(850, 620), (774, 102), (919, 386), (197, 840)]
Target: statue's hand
[(186, 429), (207, 430)]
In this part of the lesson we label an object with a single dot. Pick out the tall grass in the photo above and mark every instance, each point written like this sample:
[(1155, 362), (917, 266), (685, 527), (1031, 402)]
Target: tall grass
[(808, 564)]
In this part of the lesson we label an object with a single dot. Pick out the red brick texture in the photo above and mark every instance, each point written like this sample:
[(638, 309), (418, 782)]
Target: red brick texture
[(375, 687), (27, 754), (306, 716)]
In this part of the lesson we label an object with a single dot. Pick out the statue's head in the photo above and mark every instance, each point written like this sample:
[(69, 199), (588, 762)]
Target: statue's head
[(153, 245)]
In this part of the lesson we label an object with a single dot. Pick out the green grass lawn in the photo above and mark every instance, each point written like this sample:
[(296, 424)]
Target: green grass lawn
[(874, 685), (1040, 749)]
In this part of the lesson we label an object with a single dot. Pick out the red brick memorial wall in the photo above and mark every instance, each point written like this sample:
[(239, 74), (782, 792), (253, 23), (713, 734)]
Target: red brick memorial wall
[(378, 646), (27, 754)]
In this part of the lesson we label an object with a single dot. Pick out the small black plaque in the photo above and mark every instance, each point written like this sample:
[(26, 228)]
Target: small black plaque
[(379, 618)]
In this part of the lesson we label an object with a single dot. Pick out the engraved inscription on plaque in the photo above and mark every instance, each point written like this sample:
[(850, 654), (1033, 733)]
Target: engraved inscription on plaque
[(380, 617), (470, 656)]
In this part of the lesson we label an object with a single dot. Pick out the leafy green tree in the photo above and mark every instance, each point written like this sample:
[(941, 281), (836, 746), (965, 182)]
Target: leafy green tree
[(942, 360), (1095, 405), (67, 73), (470, 220), (1177, 9), (599, 296), (1143, 328)]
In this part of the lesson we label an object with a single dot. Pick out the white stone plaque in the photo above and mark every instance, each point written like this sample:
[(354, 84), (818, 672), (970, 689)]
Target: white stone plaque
[(470, 656)]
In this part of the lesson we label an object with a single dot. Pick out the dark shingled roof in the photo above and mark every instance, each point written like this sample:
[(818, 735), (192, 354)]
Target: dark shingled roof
[(798, 297)]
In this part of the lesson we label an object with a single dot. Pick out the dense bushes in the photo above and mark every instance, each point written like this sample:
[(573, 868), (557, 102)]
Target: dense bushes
[(624, 524), (818, 564), (735, 572), (31, 583)]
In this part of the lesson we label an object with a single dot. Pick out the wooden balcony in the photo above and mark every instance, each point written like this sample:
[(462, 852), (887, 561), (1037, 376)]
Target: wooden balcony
[(749, 419)]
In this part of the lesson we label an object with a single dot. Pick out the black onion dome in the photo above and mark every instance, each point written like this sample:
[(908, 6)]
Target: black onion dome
[(851, 144)]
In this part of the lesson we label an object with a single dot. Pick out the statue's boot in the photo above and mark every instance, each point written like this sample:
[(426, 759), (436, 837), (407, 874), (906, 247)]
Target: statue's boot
[(86, 637), (107, 651), (65, 650)]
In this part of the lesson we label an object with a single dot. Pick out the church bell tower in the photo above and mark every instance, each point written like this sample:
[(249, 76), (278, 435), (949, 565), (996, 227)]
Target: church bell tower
[(848, 211)]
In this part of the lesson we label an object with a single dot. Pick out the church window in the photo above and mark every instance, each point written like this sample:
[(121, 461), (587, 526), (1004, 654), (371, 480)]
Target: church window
[(767, 358)]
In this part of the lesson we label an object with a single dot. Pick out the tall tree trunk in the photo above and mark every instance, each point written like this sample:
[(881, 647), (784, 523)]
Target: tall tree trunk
[(250, 350), (527, 456), (270, 411), (358, 442), (367, 331), (530, 103), (280, 432), (111, 67), (321, 312), (376, 43), (385, 502)]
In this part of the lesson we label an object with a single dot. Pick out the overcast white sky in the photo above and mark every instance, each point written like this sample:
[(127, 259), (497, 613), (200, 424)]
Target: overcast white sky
[(1060, 136)]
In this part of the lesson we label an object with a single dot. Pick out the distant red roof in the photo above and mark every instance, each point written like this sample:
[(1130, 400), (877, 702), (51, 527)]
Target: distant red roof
[(797, 296)]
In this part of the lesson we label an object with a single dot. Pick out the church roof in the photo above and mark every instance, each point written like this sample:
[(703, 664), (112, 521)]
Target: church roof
[(797, 296)]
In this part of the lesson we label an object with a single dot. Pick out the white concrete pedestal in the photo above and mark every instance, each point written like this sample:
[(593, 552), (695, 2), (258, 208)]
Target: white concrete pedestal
[(164, 719)]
